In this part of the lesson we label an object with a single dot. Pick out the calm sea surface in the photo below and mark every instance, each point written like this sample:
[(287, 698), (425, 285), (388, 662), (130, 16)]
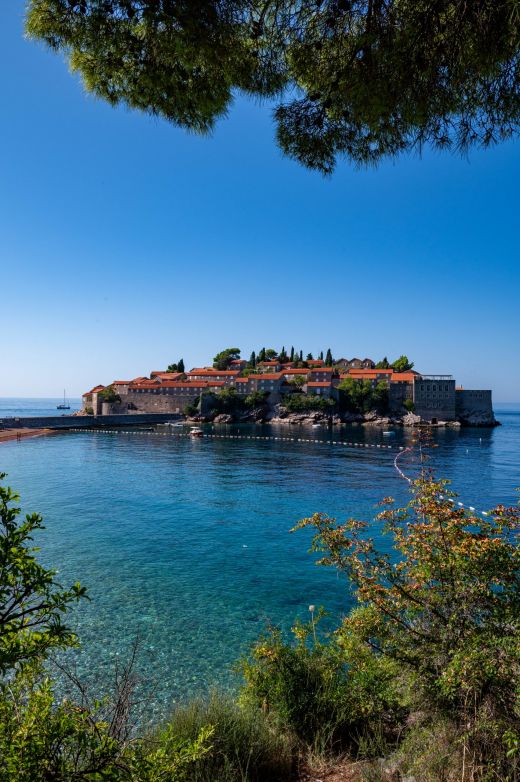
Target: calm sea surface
[(187, 543)]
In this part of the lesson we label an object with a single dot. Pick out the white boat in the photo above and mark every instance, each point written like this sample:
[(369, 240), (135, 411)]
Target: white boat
[(174, 423), (389, 433), (196, 432), (65, 405)]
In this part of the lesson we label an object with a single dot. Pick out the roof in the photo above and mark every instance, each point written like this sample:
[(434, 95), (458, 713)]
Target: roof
[(403, 377), (239, 361), (296, 371), (363, 372), (241, 380), (321, 369), (146, 382), (166, 375), (320, 383), (213, 372), (120, 382), (94, 390), (315, 362), (273, 363), (180, 384)]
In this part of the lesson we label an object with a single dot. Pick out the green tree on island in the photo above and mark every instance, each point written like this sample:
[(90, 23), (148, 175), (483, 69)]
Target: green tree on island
[(178, 367), (109, 394), (361, 80), (402, 364), (383, 364), (328, 358), (223, 359)]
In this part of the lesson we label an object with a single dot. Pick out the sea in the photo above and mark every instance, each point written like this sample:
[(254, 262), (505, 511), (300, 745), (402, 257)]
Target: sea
[(185, 545)]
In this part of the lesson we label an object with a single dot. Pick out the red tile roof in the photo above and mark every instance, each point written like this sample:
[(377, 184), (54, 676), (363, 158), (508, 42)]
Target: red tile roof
[(180, 384), (362, 372), (403, 377), (321, 383), (321, 369), (213, 372), (120, 382), (272, 363), (94, 390), (296, 371)]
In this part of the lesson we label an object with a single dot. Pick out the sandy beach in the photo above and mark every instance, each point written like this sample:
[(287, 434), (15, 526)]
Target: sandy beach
[(18, 434)]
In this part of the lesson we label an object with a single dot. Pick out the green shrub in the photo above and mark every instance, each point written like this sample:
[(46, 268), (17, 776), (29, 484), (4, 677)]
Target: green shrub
[(109, 394), (313, 690), (446, 613), (243, 745), (301, 403), (42, 739), (255, 399)]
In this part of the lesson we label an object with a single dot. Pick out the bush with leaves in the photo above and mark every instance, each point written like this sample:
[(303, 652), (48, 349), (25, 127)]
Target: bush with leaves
[(445, 607), (327, 697), (109, 394), (301, 403)]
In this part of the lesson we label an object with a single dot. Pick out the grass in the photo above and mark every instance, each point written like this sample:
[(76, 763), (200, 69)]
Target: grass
[(243, 747)]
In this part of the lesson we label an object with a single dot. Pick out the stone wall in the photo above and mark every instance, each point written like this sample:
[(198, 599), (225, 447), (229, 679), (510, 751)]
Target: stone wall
[(474, 407), (84, 421), (434, 399), (397, 394)]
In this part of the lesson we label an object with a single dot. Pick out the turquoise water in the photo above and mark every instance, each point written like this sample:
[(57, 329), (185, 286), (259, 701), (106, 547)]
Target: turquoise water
[(186, 542)]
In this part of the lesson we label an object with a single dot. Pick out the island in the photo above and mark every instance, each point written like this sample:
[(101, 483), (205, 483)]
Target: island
[(287, 388)]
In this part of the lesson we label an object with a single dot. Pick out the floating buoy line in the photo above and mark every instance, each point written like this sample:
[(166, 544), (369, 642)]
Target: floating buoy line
[(466, 508), (264, 438)]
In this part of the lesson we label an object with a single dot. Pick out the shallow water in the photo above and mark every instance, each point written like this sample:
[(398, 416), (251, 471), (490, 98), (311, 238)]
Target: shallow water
[(187, 542)]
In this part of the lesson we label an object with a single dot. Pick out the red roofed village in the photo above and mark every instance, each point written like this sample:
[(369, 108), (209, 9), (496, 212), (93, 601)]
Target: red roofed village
[(290, 388)]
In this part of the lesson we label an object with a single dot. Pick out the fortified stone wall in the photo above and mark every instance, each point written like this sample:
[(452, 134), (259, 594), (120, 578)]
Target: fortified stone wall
[(435, 399), (397, 394), (474, 406)]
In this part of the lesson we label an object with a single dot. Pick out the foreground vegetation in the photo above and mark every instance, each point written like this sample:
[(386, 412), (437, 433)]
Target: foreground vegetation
[(424, 672)]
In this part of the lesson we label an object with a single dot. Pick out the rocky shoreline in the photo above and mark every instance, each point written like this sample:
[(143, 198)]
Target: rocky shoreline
[(278, 415)]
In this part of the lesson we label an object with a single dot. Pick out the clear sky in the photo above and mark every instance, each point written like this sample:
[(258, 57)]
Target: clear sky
[(126, 243)]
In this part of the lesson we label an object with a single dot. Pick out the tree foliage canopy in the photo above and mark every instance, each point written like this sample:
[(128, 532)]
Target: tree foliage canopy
[(365, 79), (223, 359)]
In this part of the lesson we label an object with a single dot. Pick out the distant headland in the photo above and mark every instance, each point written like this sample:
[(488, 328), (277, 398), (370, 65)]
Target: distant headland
[(286, 387)]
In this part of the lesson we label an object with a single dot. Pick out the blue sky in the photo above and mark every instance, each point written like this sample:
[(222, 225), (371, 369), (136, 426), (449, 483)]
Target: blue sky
[(126, 243)]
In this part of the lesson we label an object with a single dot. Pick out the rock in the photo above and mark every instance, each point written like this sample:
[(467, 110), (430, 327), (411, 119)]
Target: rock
[(477, 418), (352, 418), (410, 419), (223, 418)]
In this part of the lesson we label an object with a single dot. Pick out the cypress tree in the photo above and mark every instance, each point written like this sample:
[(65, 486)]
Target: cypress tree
[(292, 353), (180, 365), (328, 358), (252, 360)]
